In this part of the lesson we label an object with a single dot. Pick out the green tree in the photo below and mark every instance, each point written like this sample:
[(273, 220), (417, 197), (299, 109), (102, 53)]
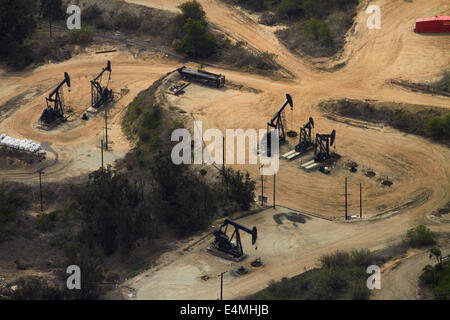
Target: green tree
[(114, 211), (192, 10), (197, 42), (189, 10), (240, 188), (52, 10), (290, 9), (17, 22)]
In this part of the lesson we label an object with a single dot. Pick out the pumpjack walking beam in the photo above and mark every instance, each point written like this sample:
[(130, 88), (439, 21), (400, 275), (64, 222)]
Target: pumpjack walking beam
[(101, 95), (55, 108), (277, 123)]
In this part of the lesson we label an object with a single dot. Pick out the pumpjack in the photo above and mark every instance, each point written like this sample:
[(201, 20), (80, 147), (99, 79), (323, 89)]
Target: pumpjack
[(225, 244), (322, 147), (305, 141), (277, 123), (101, 95), (55, 104)]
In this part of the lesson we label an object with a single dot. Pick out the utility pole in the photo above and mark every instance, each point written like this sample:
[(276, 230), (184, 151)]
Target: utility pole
[(221, 284), (274, 177), (262, 190), (223, 154), (360, 200), (345, 199), (102, 154), (40, 187), (106, 129)]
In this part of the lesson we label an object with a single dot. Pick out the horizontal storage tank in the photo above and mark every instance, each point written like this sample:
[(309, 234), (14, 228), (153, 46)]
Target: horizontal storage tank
[(432, 25)]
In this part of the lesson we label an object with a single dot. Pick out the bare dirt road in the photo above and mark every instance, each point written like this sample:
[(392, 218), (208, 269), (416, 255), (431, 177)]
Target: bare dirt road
[(402, 282), (419, 169)]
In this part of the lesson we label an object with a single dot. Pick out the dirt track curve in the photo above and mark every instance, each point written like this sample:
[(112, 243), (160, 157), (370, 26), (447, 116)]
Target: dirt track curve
[(420, 169)]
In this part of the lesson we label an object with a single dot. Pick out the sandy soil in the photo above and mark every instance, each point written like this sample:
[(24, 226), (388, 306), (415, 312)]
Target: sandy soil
[(76, 143), (418, 168)]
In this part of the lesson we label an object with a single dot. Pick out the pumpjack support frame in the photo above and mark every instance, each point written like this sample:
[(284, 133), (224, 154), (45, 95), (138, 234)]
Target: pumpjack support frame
[(101, 95), (277, 123), (322, 146), (225, 244), (55, 106), (305, 141)]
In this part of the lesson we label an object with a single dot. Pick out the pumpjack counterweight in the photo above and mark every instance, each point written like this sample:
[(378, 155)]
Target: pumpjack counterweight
[(277, 123), (226, 244), (55, 104), (101, 95)]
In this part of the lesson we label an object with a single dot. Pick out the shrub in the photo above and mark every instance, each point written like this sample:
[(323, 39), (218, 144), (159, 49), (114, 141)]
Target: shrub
[(8, 214), (20, 56), (290, 9), (91, 13), (362, 258), (47, 221), (439, 128), (318, 30), (82, 36), (126, 21), (34, 288), (420, 236), (444, 83), (197, 42), (114, 212), (150, 26), (359, 290), (336, 260), (239, 187)]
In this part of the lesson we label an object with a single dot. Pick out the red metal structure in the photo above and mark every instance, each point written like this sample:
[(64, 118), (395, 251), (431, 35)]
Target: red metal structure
[(433, 25)]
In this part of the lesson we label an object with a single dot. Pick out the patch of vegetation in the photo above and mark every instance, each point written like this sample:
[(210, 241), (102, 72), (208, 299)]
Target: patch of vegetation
[(444, 83), (341, 276), (33, 288), (114, 211), (9, 213), (83, 36), (126, 21), (239, 187), (191, 26), (420, 236), (18, 22), (314, 27), (47, 221), (189, 201), (425, 121), (238, 56), (196, 42), (437, 277)]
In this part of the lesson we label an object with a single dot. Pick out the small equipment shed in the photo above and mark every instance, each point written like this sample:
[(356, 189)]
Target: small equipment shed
[(433, 25)]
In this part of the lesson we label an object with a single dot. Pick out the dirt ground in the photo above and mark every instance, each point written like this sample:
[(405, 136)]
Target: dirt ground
[(418, 168), (400, 278)]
